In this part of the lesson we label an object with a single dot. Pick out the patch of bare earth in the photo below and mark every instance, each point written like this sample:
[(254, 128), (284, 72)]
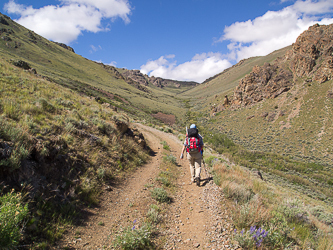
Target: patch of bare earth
[(167, 119), (195, 219)]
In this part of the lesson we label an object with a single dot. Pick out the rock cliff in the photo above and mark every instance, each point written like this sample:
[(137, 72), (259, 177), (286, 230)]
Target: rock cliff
[(65, 46), (310, 59)]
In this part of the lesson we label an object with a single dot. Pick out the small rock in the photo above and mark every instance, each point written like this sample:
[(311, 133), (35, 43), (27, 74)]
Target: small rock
[(196, 244)]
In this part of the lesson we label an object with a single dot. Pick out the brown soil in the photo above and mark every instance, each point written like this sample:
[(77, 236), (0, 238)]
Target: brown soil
[(195, 219), (167, 119)]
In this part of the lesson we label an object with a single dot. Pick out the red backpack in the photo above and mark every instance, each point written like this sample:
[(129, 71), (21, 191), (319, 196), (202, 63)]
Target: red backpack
[(193, 145), (193, 141)]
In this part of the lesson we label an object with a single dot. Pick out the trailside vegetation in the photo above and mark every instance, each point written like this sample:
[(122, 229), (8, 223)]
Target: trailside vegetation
[(271, 216), (58, 148)]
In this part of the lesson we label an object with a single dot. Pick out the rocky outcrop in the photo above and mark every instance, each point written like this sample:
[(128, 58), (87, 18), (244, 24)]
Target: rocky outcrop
[(65, 46), (138, 77), (22, 64), (112, 70), (265, 82), (311, 57), (226, 101), (3, 19), (160, 82)]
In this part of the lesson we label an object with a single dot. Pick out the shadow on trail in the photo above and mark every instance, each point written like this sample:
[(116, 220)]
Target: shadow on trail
[(150, 151), (205, 181)]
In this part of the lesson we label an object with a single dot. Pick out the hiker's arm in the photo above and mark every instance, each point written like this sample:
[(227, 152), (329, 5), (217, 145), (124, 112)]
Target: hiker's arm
[(182, 153), (183, 149)]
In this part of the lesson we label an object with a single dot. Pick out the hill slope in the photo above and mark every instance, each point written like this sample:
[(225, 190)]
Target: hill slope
[(61, 145), (224, 82), (59, 63), (283, 109)]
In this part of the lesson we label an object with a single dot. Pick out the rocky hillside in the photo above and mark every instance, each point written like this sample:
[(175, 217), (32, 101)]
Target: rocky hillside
[(310, 59), (138, 77), (65, 46), (284, 107)]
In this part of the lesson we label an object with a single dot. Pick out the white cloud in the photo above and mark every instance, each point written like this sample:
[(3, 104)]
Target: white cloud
[(113, 63), (94, 48), (314, 7), (257, 37), (109, 8), (275, 29), (65, 22), (201, 67)]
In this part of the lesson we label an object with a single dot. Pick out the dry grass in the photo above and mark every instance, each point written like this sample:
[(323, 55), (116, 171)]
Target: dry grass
[(73, 142), (254, 202)]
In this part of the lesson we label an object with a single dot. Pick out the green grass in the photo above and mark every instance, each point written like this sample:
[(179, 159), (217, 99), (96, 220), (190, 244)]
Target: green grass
[(93, 79), (296, 173), (165, 145), (135, 238), (153, 215), (160, 195), (13, 216), (288, 218), (70, 143), (41, 122)]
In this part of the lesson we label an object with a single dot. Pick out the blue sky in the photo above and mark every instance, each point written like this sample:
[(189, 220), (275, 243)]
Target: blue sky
[(175, 39)]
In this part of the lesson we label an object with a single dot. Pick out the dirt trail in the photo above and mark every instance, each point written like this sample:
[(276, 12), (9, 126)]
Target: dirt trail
[(195, 219)]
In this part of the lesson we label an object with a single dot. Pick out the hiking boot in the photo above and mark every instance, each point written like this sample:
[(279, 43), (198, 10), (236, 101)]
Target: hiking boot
[(197, 181)]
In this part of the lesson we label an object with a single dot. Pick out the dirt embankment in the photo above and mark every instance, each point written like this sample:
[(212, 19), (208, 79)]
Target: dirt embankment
[(195, 219)]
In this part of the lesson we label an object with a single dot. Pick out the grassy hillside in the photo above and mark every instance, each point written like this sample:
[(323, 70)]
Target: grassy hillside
[(59, 149), (224, 83), (279, 217), (296, 127), (288, 136), (71, 70), (62, 130)]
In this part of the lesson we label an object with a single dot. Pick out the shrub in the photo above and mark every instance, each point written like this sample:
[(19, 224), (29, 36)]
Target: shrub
[(89, 190), (12, 215), (279, 231), (293, 210), (157, 208), (12, 110), (220, 142), (165, 181), (276, 237), (217, 178), (165, 145), (170, 158), (160, 195), (135, 238), (321, 215), (251, 213), (251, 238), (153, 215), (46, 106), (17, 155), (105, 128), (239, 192), (211, 160)]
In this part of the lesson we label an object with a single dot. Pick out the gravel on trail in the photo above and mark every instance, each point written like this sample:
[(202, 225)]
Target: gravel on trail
[(197, 217)]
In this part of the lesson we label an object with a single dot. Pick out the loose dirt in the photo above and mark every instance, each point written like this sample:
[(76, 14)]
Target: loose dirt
[(195, 219)]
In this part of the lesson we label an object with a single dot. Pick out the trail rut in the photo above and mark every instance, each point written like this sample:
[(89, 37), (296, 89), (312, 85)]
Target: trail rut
[(196, 218)]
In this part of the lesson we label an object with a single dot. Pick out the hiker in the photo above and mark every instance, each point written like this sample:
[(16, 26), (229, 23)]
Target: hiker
[(194, 148)]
